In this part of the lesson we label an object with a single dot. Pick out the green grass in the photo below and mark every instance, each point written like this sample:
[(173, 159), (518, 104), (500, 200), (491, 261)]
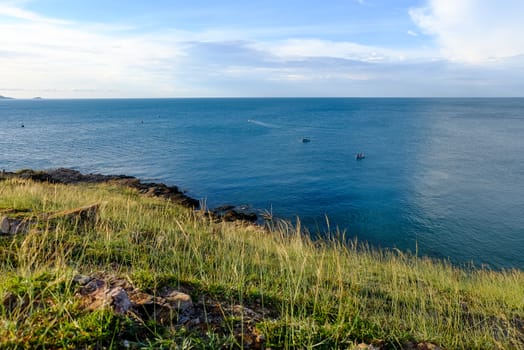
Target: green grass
[(319, 294)]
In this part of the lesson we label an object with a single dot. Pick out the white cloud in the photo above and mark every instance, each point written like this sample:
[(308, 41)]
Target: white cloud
[(308, 48), (69, 59), (56, 58), (8, 10), (42, 56), (412, 33), (474, 31), (299, 73)]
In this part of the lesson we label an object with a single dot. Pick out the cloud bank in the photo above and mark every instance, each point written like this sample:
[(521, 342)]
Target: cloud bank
[(474, 31), (68, 59), (466, 48)]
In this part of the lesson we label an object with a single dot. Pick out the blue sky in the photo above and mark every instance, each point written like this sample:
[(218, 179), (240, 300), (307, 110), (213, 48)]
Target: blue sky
[(204, 48)]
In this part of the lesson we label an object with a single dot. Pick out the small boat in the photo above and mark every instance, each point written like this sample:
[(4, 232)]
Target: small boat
[(360, 156), (305, 140)]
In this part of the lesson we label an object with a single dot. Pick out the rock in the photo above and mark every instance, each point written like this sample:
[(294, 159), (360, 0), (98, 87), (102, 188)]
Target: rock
[(70, 176), (13, 226), (170, 306), (172, 193), (231, 213), (82, 279), (224, 208), (92, 286), (85, 216), (178, 300), (245, 312), (5, 226), (19, 226), (97, 294), (119, 300), (153, 309), (427, 346), (421, 346), (34, 175), (364, 346), (67, 176)]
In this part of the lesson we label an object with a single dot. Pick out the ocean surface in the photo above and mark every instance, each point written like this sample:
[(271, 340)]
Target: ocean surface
[(444, 176)]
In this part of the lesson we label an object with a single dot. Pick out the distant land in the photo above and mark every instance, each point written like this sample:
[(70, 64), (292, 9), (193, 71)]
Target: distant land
[(12, 98)]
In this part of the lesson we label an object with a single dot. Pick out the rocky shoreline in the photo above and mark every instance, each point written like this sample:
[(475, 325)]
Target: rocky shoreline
[(171, 193)]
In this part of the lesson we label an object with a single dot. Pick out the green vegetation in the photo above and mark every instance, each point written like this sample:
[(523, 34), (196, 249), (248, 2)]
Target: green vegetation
[(313, 294)]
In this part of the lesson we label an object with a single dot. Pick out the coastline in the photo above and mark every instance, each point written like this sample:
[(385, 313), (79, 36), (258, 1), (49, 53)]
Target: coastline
[(69, 176), (412, 197)]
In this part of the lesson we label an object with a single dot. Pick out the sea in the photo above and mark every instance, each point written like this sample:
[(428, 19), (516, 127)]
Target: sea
[(441, 177)]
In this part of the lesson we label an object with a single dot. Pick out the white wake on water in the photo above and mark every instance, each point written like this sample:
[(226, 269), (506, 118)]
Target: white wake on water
[(264, 124)]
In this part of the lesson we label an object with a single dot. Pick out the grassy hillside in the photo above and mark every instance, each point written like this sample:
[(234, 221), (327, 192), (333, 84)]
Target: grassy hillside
[(250, 288)]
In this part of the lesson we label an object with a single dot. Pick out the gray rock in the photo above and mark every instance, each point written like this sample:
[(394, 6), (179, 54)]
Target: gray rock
[(5, 226), (19, 226), (119, 295), (119, 300), (82, 279), (13, 226), (85, 217), (97, 294), (178, 300)]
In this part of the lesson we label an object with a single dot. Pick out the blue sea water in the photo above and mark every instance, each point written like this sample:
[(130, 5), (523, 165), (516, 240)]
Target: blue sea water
[(444, 176)]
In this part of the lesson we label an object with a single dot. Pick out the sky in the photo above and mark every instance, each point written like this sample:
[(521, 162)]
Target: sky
[(261, 48)]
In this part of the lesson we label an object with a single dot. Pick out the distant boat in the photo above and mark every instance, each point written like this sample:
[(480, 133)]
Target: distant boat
[(305, 140), (360, 156), (22, 126)]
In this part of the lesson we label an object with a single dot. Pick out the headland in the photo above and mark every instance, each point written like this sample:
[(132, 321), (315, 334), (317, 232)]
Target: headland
[(97, 261)]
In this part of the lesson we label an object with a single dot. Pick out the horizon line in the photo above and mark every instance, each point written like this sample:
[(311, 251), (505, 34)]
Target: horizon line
[(8, 98)]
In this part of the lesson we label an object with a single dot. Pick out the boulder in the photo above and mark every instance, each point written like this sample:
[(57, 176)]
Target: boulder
[(13, 226), (168, 307), (172, 307), (177, 300), (232, 213), (118, 294), (5, 226), (98, 294), (84, 216), (68, 176), (119, 300), (421, 346), (171, 193)]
